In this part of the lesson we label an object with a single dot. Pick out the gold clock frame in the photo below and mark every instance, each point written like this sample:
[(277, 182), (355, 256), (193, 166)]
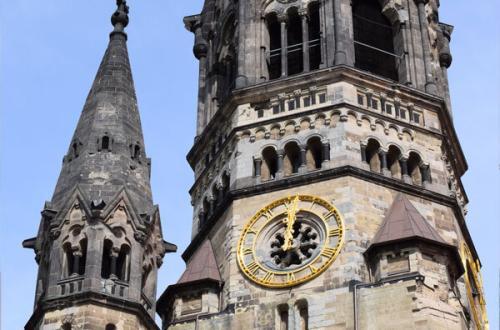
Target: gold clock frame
[(251, 269)]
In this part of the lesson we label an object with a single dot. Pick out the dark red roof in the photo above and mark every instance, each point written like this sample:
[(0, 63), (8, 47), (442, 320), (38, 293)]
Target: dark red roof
[(404, 222), (202, 266)]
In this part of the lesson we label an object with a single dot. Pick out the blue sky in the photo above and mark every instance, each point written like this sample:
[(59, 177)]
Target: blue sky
[(50, 51)]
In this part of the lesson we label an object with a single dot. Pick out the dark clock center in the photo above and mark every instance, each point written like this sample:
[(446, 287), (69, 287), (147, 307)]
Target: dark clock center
[(301, 248)]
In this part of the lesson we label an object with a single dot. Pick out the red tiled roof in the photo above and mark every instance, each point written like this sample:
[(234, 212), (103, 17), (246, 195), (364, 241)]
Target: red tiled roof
[(202, 266), (404, 222)]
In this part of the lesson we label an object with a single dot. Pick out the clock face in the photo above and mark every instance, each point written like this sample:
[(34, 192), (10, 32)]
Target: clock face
[(290, 241)]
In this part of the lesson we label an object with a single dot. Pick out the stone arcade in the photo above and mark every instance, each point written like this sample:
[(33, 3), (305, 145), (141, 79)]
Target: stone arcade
[(327, 190)]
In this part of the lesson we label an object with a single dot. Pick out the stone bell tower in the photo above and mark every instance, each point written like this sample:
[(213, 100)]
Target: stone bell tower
[(327, 191), (99, 244)]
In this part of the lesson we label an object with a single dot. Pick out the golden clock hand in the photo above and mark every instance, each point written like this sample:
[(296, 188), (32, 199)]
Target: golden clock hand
[(290, 222)]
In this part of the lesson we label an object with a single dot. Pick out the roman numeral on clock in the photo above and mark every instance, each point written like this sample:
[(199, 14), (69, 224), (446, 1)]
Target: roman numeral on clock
[(247, 251), (268, 278), (290, 277), (253, 267), (313, 269), (328, 252), (334, 232)]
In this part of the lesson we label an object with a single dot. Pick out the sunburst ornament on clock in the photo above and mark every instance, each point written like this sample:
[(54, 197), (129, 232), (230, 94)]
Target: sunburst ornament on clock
[(290, 241)]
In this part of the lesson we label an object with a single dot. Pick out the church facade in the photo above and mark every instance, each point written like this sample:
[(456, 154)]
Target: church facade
[(327, 190)]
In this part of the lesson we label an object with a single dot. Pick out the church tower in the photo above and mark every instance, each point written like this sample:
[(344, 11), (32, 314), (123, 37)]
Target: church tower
[(99, 244), (327, 191)]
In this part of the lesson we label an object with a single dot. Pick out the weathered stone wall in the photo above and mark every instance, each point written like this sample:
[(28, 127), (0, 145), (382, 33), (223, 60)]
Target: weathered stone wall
[(91, 317)]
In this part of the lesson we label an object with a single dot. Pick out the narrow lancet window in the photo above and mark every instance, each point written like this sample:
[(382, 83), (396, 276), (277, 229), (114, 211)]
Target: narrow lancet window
[(373, 39)]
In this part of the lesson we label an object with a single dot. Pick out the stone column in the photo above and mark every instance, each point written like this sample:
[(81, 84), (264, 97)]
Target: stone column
[(200, 51), (284, 45), (303, 159), (77, 255), (426, 174), (281, 155), (257, 163), (242, 78), (384, 169), (344, 42), (430, 85), (329, 32), (113, 263), (305, 39), (404, 169), (363, 154), (325, 151)]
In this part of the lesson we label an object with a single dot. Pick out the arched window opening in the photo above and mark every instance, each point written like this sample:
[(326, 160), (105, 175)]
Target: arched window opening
[(372, 155), (75, 259), (105, 143), (282, 317), (373, 39), (414, 168), (269, 166), (206, 207), (106, 259), (314, 37), (274, 57), (66, 326), (110, 326), (303, 312), (313, 154), (226, 181), (74, 150), (393, 157), (123, 264), (68, 260), (137, 152), (294, 37), (226, 56), (292, 158), (215, 196)]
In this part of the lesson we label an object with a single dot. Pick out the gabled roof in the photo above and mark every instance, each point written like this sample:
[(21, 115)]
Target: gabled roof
[(202, 266), (403, 222)]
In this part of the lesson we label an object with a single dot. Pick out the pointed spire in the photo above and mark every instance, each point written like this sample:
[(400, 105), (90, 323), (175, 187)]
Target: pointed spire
[(107, 151), (403, 222)]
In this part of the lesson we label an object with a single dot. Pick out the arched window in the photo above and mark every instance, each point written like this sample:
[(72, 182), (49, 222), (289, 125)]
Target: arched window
[(74, 150), (414, 168), (206, 207), (123, 264), (291, 162), (282, 317), (269, 166), (75, 259), (372, 155), (137, 152), (314, 36), (294, 37), (110, 326), (215, 196), (313, 155), (226, 182), (303, 313), (393, 157), (274, 57), (373, 39), (106, 259), (105, 143)]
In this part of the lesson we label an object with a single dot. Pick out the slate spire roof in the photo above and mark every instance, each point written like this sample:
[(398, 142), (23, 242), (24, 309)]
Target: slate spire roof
[(403, 222), (106, 154), (202, 266)]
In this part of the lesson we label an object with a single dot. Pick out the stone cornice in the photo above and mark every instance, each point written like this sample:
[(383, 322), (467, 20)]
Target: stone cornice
[(90, 298)]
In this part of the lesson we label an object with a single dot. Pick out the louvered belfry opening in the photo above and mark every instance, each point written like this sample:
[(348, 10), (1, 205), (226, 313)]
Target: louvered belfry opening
[(373, 40)]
